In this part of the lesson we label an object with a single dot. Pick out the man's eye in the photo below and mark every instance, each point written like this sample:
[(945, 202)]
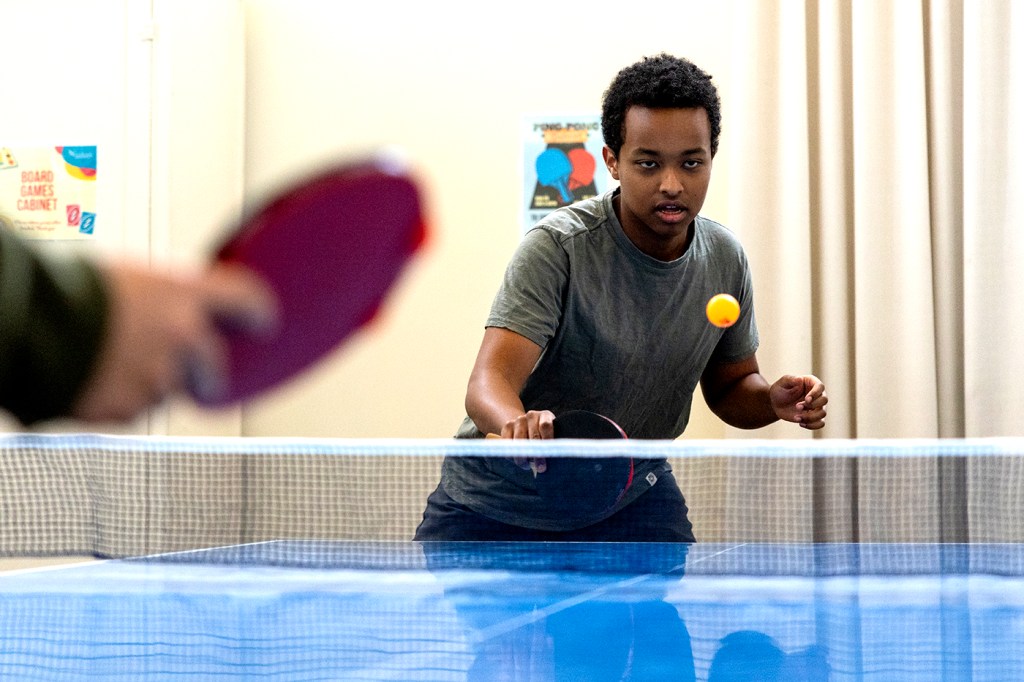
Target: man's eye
[(647, 165)]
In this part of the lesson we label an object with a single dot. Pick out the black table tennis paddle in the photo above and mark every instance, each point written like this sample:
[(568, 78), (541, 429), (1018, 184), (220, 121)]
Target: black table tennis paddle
[(585, 486)]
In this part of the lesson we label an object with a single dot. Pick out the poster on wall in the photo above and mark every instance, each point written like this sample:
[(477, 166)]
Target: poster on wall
[(562, 163), (49, 192)]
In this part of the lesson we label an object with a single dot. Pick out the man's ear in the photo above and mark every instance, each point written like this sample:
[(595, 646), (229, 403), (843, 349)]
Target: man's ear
[(610, 162)]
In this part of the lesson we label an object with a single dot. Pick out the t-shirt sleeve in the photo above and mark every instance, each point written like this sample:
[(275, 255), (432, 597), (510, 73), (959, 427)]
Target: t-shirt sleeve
[(530, 299), (52, 321)]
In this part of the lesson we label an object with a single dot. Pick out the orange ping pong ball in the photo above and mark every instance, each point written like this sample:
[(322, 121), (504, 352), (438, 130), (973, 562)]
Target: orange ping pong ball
[(723, 310)]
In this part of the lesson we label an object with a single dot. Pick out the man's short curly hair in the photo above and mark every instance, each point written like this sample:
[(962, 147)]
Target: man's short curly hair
[(659, 82)]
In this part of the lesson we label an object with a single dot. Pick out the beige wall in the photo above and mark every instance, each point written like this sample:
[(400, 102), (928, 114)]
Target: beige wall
[(450, 85)]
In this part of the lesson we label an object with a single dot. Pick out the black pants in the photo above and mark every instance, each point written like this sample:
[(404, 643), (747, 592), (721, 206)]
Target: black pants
[(659, 515)]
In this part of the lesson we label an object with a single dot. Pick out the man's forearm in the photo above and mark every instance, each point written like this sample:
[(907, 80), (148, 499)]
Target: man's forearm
[(745, 404)]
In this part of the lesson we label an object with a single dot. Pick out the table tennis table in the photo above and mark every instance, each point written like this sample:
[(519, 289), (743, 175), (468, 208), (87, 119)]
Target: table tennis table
[(307, 610)]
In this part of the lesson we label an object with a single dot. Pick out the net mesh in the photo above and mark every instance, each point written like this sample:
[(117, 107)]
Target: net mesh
[(127, 496)]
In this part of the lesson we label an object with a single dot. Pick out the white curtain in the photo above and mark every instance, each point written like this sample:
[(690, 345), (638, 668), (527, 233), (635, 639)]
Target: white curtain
[(875, 170)]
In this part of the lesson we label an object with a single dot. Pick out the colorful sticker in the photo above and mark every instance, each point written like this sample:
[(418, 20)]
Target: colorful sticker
[(49, 192)]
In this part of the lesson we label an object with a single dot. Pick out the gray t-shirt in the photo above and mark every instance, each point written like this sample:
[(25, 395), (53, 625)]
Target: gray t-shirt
[(623, 334)]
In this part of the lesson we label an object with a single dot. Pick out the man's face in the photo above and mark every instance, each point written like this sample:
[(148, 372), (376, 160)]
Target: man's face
[(664, 168)]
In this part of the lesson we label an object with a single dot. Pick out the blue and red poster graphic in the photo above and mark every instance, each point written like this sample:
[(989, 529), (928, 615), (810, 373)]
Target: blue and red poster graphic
[(562, 163)]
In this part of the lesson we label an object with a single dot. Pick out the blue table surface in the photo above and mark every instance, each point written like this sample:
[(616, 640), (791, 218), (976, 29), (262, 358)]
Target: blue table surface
[(294, 610)]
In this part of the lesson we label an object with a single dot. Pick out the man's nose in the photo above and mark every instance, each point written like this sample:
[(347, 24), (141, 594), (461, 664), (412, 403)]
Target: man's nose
[(671, 183)]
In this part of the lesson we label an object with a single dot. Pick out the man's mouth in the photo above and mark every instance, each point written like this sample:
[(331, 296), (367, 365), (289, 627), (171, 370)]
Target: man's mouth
[(670, 212)]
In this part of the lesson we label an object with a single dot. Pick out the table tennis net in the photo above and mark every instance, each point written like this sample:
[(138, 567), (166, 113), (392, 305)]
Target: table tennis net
[(69, 495)]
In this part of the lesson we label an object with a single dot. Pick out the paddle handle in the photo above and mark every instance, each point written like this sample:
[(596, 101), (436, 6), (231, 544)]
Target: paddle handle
[(533, 465)]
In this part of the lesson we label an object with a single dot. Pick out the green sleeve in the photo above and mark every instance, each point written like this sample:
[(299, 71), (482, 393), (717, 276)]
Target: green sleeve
[(52, 319)]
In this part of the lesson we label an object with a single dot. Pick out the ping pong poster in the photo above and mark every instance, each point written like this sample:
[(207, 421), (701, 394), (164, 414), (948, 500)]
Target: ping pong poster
[(49, 192), (562, 163)]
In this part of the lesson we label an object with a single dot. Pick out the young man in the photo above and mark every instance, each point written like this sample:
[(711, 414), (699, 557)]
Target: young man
[(603, 308)]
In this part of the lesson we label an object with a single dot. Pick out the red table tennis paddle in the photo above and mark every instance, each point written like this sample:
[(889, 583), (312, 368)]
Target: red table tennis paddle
[(583, 167), (585, 486), (330, 247)]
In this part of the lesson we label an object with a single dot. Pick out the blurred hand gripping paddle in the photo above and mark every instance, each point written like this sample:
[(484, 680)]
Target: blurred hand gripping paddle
[(330, 247), (585, 486)]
